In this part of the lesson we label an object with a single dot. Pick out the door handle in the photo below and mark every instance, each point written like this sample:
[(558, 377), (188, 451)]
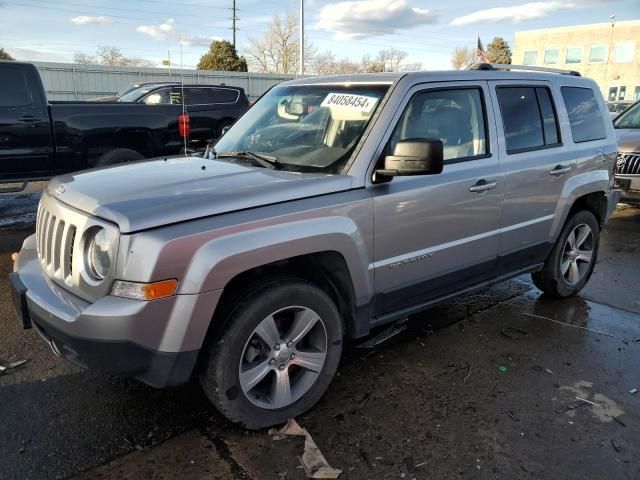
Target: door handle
[(482, 186), (28, 119), (559, 170)]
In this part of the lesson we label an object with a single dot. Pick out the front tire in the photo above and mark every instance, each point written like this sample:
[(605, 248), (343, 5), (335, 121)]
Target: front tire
[(277, 356), (572, 260)]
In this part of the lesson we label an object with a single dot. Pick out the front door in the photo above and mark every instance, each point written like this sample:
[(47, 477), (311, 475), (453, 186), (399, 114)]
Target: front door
[(437, 234)]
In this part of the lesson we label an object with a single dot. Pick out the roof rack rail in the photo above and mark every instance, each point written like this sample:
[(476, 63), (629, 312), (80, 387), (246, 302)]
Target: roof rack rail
[(499, 66)]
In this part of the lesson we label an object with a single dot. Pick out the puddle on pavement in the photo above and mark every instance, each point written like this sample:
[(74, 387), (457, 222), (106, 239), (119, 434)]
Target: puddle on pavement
[(18, 210), (607, 410), (578, 312)]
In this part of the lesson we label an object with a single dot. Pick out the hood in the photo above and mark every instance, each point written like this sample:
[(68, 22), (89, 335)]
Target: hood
[(628, 139), (152, 193)]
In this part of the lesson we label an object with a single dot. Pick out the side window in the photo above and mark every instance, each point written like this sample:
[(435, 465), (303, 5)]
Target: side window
[(159, 97), (528, 118), (14, 90), (455, 116), (196, 96), (584, 114), (222, 95)]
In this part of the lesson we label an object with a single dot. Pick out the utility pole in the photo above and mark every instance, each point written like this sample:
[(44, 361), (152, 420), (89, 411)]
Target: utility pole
[(301, 69), (234, 18)]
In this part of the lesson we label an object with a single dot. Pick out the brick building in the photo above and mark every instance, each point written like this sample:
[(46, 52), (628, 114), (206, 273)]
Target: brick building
[(608, 53)]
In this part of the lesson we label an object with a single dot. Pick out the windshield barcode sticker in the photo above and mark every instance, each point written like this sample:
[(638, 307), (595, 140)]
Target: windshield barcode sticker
[(361, 103)]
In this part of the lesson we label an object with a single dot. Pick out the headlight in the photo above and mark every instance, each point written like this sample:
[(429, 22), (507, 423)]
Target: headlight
[(98, 251)]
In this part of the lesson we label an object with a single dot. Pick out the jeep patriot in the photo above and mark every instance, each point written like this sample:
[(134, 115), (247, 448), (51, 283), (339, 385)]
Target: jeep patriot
[(333, 206)]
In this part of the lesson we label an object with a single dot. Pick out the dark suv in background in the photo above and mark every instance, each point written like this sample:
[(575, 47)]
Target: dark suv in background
[(41, 138)]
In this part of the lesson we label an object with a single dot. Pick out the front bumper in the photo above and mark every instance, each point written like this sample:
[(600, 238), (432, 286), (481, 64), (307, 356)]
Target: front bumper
[(630, 185), (156, 342)]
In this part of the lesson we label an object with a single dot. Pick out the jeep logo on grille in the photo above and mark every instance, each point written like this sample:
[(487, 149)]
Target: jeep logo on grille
[(60, 190)]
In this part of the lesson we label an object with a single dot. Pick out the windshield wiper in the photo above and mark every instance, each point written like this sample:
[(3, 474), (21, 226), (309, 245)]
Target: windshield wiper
[(265, 161)]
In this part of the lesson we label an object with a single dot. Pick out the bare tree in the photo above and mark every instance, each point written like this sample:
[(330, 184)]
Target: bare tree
[(278, 50), (391, 58), (462, 58), (324, 63), (110, 56), (370, 65)]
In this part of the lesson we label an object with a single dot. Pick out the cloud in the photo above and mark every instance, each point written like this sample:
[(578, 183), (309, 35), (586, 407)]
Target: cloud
[(518, 13), (368, 18), (33, 55), (85, 20), (167, 32)]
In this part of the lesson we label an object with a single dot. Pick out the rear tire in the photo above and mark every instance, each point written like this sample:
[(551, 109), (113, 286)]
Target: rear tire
[(278, 354), (119, 155), (571, 262)]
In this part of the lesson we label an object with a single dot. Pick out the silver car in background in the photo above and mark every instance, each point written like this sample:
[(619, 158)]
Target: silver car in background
[(627, 127), (333, 206)]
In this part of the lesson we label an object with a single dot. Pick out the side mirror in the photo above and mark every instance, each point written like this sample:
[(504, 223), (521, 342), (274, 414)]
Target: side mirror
[(414, 156)]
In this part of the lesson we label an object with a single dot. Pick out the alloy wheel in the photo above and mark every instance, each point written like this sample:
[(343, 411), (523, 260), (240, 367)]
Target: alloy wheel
[(283, 357), (577, 254)]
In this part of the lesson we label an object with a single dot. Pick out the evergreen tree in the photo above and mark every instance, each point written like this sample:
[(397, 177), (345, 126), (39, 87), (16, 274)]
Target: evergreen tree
[(498, 51), (222, 56), (4, 55)]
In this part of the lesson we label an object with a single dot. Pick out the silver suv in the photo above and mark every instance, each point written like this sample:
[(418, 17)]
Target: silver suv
[(333, 206)]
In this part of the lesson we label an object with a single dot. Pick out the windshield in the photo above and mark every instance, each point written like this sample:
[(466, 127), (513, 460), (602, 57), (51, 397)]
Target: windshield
[(307, 127), (630, 118), (135, 94)]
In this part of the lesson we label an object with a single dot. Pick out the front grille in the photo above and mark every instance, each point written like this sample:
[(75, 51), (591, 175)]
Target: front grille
[(54, 240), (628, 163)]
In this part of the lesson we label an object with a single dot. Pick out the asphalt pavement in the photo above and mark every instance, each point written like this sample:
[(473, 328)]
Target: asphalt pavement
[(485, 386)]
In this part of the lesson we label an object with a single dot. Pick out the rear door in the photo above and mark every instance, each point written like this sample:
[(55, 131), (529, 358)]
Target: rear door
[(25, 133), (436, 234), (536, 163)]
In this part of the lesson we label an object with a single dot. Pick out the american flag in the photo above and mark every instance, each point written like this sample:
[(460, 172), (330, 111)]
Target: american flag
[(480, 52)]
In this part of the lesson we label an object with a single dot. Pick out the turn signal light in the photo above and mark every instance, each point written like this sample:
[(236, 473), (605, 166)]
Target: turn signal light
[(144, 291)]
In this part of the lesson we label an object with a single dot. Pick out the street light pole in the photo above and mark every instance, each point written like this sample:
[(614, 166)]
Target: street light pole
[(612, 19), (301, 69)]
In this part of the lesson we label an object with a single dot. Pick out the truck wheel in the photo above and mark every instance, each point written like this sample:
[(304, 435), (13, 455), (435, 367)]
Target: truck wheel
[(119, 155), (571, 262), (277, 356)]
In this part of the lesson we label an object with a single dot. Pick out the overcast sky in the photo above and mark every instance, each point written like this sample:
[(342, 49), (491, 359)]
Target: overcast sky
[(427, 30)]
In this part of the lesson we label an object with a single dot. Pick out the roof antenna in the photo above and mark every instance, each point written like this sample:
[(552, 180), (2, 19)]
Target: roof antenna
[(184, 108)]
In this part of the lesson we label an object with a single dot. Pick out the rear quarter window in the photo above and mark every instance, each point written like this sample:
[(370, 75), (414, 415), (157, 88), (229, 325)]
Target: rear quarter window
[(584, 113), (208, 95), (14, 90)]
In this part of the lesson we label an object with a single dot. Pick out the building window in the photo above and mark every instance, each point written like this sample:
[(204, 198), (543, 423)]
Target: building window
[(551, 56), (622, 91), (530, 57), (636, 94), (574, 55), (613, 94), (598, 54), (623, 53)]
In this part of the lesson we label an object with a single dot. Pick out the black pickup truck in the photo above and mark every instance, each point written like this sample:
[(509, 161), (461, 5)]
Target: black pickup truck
[(39, 139)]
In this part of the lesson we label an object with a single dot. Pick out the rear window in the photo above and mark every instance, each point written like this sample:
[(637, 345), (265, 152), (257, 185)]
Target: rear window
[(528, 117), (584, 114), (207, 95), (14, 91)]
